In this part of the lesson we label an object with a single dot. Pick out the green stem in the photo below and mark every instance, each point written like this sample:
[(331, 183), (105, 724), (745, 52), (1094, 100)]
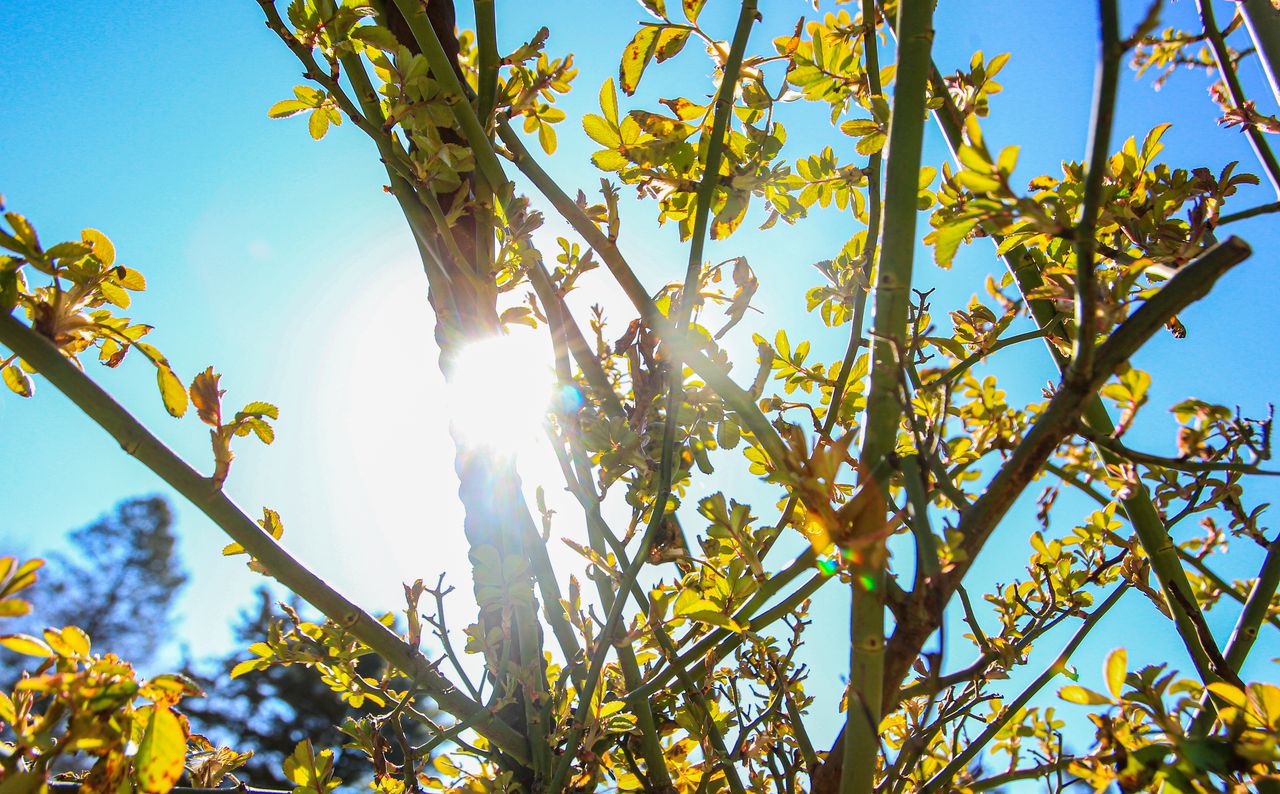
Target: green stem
[(874, 163), (138, 442), (1263, 21), (1146, 521), (650, 746), (1104, 104), (488, 59), (1016, 705), (702, 215), (1263, 209), (884, 405), (1038, 444), (487, 164), (737, 398), (1257, 608), (1222, 56)]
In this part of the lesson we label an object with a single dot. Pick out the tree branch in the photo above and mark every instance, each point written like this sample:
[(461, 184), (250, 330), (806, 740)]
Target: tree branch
[(137, 441)]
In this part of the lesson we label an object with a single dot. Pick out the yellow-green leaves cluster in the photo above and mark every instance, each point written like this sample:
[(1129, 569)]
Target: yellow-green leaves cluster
[(322, 109), (76, 705)]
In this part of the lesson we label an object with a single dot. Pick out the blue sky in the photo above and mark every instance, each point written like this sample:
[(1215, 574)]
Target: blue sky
[(281, 262)]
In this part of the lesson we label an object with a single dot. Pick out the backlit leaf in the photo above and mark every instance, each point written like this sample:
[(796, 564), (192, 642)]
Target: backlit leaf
[(26, 645), (318, 123), (1115, 669), (159, 761), (102, 247), (635, 57), (171, 391), (1085, 697), (207, 397), (18, 381)]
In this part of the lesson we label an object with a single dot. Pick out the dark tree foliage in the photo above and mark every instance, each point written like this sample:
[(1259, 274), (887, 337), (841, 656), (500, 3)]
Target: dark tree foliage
[(269, 711), (118, 583), (266, 711)]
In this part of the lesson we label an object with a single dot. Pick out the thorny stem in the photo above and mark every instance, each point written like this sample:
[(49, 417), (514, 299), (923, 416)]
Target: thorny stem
[(558, 318), (1104, 103), (884, 406), (1227, 71), (737, 398), (702, 213), (1263, 22), (1137, 506), (1052, 671)]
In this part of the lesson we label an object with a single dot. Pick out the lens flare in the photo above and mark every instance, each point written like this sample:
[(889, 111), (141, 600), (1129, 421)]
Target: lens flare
[(499, 393)]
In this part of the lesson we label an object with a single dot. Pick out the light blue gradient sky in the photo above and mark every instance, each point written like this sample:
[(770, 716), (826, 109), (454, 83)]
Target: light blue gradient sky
[(282, 263)]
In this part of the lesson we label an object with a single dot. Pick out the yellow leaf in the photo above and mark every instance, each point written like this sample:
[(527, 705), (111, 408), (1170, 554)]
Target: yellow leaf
[(318, 123), (1085, 697), (635, 57), (246, 667), (18, 381), (978, 183), (171, 391), (158, 764), (1115, 669), (26, 645), (445, 765), (102, 247), (1228, 693)]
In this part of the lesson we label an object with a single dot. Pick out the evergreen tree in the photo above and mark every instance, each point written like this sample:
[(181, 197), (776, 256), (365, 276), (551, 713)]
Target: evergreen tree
[(118, 583), (270, 711)]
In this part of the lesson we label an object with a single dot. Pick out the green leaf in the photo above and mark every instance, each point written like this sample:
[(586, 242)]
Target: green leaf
[(1007, 160), (978, 183), (23, 230), (609, 101), (131, 279), (871, 144), (18, 381), (547, 138), (635, 57), (973, 159), (1085, 697), (601, 131), (670, 42), (261, 409), (159, 761), (1115, 669), (656, 7), (728, 434), (171, 390), (114, 294), (946, 239), (692, 8), (376, 36)]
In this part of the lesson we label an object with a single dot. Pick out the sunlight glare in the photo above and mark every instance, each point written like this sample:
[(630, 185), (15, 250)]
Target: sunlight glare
[(501, 391)]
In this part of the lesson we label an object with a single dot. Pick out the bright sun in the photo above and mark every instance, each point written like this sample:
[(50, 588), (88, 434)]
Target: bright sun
[(500, 392)]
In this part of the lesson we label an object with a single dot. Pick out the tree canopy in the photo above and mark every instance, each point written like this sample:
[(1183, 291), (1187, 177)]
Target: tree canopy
[(736, 495)]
